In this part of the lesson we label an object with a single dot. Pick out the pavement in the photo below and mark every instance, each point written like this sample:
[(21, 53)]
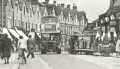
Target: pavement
[(108, 62), (34, 63), (9, 66), (63, 61)]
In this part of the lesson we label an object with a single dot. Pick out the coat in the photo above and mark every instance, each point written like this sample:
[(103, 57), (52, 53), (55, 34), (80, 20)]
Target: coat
[(7, 46), (1, 47), (30, 43), (118, 46)]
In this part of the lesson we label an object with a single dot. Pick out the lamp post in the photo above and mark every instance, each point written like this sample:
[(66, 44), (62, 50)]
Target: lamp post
[(2, 16)]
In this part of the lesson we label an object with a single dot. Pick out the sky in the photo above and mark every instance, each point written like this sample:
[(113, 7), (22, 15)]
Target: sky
[(93, 8)]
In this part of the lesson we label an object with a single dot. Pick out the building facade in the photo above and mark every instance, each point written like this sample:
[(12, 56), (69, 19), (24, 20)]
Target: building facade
[(21, 14), (26, 15), (109, 22), (2, 9)]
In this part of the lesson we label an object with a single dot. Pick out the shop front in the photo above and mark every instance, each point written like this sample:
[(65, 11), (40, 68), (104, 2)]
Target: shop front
[(109, 25), (84, 41)]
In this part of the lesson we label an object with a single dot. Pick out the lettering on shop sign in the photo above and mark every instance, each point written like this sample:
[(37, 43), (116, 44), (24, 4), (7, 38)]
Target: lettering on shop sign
[(112, 23)]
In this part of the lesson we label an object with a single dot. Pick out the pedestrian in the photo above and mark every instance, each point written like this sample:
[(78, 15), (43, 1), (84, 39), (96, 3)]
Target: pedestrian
[(30, 46), (22, 47), (6, 49), (112, 47), (71, 44), (118, 47), (1, 47)]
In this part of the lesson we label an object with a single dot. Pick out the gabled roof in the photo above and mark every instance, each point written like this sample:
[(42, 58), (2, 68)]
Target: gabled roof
[(66, 11), (58, 10), (81, 14)]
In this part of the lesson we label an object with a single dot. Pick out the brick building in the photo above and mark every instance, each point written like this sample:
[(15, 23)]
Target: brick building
[(2, 10), (109, 22), (22, 14), (26, 15)]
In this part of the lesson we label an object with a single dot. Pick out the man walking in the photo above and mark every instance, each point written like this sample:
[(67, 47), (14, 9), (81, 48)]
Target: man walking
[(22, 46), (30, 46)]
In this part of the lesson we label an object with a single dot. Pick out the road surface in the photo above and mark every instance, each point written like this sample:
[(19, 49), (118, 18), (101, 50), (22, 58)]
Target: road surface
[(59, 62)]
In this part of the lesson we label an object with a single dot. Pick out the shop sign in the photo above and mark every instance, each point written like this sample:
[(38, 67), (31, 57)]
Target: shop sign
[(113, 23)]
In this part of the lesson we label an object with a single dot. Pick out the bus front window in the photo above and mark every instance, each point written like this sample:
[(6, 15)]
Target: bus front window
[(50, 37)]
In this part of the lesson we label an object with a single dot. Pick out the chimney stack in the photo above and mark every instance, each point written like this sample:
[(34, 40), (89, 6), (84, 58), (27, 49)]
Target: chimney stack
[(68, 6), (62, 5)]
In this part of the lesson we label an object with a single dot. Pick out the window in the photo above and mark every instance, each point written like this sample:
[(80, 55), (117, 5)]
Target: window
[(49, 20)]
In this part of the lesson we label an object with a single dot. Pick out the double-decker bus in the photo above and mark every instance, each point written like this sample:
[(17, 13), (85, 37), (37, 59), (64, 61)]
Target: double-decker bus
[(50, 35)]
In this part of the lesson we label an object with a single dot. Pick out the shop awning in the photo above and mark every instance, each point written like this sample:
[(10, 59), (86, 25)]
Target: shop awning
[(5, 30), (38, 34), (21, 33), (14, 33)]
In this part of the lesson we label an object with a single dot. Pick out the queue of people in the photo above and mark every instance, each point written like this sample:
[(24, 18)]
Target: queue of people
[(7, 47)]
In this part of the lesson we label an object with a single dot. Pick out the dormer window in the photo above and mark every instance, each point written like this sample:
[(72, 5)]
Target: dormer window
[(112, 17), (107, 19)]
